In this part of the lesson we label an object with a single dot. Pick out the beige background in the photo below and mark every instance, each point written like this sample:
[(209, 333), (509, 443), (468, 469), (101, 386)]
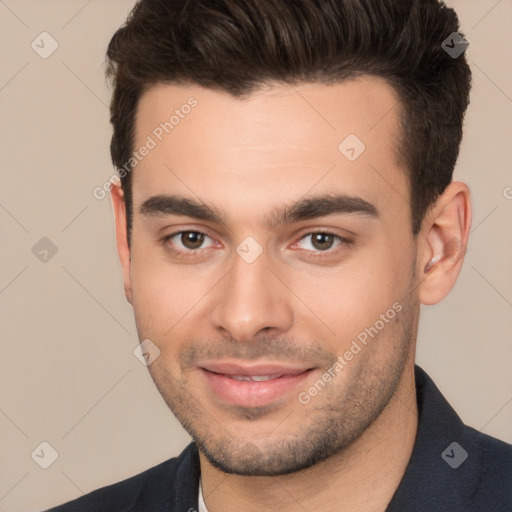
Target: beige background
[(68, 374)]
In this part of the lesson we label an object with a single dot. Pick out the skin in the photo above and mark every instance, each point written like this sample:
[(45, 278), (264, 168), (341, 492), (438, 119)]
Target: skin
[(299, 302)]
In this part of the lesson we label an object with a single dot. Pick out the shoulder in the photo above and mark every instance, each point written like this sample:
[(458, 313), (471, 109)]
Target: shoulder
[(155, 489), (476, 466), (453, 466), (494, 466)]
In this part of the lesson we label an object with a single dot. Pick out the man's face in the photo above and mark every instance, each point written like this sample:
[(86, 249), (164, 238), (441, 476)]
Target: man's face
[(260, 293)]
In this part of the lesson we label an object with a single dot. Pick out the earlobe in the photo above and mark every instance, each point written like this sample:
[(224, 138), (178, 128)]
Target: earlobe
[(119, 207), (444, 240)]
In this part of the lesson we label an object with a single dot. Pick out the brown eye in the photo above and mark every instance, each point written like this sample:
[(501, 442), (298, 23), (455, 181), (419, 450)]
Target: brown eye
[(192, 239), (322, 241), (188, 243)]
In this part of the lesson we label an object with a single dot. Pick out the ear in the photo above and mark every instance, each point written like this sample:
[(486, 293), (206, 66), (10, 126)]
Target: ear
[(117, 196), (442, 243)]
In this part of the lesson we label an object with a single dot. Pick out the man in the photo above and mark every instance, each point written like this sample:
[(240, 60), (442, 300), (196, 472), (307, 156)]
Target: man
[(286, 205)]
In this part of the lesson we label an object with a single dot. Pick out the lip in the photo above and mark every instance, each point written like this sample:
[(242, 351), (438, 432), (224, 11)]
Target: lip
[(247, 393), (274, 369)]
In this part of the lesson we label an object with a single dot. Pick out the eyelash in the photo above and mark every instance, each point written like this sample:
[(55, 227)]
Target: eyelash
[(194, 252)]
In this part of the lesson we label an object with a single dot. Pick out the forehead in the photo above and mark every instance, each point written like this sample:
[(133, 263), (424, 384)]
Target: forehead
[(280, 142)]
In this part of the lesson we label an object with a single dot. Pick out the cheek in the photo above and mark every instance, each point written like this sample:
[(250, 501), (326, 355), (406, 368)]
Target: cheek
[(155, 294), (351, 297), (165, 296)]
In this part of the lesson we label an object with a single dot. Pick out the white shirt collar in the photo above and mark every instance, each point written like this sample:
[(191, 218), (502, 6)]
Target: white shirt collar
[(202, 505)]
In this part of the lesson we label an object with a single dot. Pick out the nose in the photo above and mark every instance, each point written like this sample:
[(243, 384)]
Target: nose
[(250, 301)]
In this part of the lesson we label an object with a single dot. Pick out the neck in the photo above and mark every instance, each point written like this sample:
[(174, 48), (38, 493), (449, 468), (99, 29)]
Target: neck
[(363, 477)]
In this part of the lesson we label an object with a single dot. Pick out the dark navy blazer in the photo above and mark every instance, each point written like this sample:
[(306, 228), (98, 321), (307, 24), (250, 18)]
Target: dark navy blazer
[(453, 468)]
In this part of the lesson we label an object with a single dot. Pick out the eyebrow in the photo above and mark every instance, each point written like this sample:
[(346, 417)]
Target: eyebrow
[(303, 209)]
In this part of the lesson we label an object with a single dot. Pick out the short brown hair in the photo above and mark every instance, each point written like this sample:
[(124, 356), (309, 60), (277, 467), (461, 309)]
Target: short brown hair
[(240, 45)]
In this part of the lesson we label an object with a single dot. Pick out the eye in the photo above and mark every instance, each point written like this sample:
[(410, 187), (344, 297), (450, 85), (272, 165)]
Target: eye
[(187, 241), (321, 242)]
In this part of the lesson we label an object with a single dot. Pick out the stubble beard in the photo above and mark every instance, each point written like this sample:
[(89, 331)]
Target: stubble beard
[(336, 418)]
